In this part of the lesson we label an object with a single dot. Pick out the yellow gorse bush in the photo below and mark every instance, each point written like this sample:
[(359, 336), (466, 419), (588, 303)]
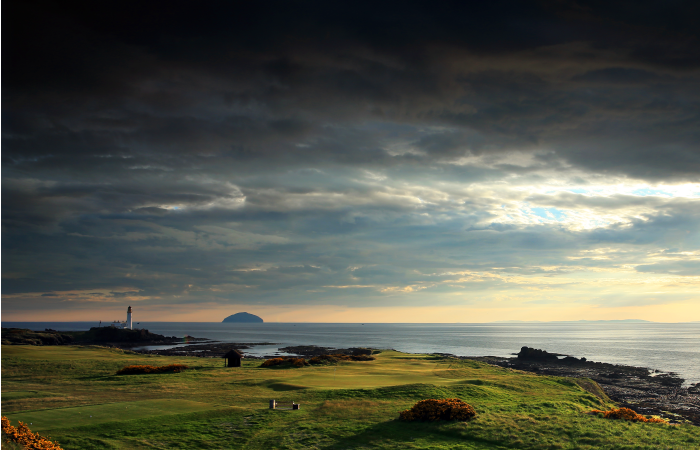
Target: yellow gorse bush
[(626, 414), (445, 409), (137, 370), (24, 436), (285, 361)]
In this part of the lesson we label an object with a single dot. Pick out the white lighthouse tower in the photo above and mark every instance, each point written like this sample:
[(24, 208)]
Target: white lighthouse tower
[(128, 318)]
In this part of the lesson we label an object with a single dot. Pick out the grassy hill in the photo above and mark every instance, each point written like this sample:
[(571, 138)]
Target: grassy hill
[(72, 395)]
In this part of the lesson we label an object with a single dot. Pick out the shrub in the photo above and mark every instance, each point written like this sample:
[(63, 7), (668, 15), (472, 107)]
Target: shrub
[(626, 414), (285, 361), (328, 359), (24, 436), (138, 370), (321, 359), (445, 409)]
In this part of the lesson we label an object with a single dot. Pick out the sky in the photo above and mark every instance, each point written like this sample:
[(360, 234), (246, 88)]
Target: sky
[(324, 161)]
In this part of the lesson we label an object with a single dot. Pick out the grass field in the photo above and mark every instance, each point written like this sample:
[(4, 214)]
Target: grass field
[(72, 395)]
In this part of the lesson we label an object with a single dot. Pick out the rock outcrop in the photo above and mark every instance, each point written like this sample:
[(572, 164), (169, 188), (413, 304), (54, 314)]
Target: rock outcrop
[(313, 350), (534, 354)]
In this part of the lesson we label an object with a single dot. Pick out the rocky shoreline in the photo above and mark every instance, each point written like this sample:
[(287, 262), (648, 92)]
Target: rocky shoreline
[(647, 392), (205, 350), (219, 349)]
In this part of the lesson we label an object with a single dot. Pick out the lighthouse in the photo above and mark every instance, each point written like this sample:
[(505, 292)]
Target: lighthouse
[(128, 318)]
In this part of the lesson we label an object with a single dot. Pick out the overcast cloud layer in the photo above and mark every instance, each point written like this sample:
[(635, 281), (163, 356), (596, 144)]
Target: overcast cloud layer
[(508, 157)]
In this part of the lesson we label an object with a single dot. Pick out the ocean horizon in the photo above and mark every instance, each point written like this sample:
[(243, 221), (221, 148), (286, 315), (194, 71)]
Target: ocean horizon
[(667, 347)]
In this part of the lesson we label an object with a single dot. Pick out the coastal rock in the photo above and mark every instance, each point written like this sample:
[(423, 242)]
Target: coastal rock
[(313, 350), (571, 360), (243, 317), (535, 354)]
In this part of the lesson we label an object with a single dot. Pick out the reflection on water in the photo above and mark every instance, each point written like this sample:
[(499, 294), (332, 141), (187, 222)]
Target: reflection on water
[(158, 347)]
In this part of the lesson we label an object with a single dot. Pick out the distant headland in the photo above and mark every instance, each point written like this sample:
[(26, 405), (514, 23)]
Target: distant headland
[(110, 336), (576, 321), (242, 317)]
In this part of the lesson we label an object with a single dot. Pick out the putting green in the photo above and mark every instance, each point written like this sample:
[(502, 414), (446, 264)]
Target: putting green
[(51, 419), (391, 369)]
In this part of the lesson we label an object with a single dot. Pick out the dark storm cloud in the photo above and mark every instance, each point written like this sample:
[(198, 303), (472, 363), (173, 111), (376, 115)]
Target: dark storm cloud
[(244, 79), (243, 149), (618, 75)]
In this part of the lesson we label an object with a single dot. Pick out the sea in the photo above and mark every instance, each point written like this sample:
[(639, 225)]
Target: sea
[(667, 347)]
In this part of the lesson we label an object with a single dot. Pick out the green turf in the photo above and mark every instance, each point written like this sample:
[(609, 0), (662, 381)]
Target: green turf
[(49, 419), (349, 405)]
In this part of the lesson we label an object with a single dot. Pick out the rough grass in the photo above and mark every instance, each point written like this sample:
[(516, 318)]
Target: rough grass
[(349, 405), (8, 444)]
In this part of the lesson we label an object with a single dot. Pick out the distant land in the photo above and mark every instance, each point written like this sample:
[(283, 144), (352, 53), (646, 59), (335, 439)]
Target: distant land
[(242, 317), (95, 336), (575, 321)]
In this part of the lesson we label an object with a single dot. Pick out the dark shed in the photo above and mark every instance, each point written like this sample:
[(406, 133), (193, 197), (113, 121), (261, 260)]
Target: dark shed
[(234, 358)]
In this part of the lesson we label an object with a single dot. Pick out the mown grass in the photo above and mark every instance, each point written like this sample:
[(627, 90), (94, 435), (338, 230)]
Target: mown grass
[(349, 405), (49, 419)]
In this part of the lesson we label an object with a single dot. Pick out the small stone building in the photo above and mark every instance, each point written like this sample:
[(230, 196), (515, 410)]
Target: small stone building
[(234, 358)]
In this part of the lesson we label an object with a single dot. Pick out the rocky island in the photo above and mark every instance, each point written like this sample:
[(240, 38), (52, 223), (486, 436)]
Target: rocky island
[(242, 317)]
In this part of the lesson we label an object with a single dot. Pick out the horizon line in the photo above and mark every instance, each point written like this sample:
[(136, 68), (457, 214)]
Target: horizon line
[(384, 323)]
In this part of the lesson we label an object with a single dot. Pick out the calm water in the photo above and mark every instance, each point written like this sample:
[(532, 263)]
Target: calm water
[(667, 347)]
